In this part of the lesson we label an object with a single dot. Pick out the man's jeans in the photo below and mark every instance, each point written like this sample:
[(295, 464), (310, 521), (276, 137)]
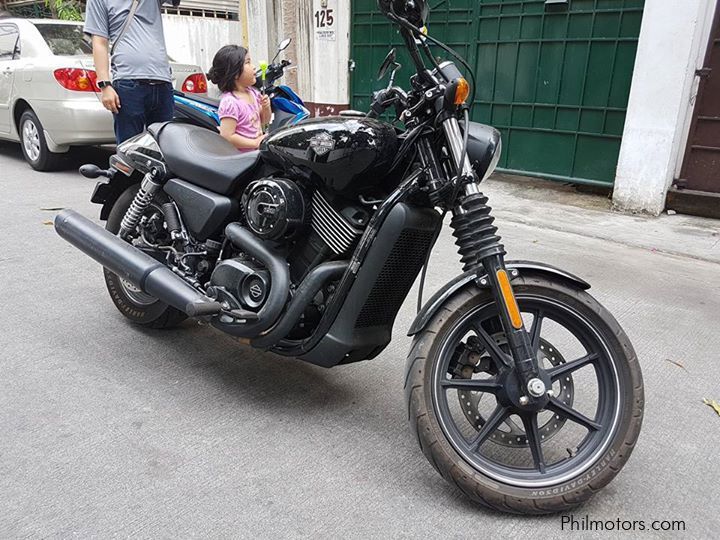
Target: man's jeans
[(141, 104)]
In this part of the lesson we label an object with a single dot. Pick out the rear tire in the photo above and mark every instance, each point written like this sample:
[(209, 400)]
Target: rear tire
[(34, 145), (477, 482), (134, 304)]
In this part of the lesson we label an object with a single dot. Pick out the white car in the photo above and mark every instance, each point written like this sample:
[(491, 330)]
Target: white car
[(48, 97)]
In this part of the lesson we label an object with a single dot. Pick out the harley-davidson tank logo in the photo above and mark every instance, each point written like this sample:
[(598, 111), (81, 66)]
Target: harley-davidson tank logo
[(322, 143)]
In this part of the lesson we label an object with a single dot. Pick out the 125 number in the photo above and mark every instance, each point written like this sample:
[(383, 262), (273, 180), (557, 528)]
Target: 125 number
[(324, 17)]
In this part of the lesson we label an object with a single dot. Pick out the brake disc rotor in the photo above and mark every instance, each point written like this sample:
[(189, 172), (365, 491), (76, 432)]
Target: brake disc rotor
[(510, 433)]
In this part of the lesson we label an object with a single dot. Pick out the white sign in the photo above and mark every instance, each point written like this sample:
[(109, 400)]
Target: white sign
[(324, 23)]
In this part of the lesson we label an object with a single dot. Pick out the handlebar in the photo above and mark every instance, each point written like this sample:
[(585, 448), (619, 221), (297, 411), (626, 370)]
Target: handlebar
[(384, 99), (273, 73)]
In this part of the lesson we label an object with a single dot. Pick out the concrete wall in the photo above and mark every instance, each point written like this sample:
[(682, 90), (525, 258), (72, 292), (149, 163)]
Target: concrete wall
[(329, 50), (263, 21), (195, 40), (320, 53), (673, 38)]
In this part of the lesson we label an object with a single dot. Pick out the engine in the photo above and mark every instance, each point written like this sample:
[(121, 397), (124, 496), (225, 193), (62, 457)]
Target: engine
[(274, 208), (243, 283), (339, 225), (308, 227), (277, 209)]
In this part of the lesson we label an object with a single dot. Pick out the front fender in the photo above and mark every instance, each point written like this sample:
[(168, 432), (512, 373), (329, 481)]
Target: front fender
[(463, 280)]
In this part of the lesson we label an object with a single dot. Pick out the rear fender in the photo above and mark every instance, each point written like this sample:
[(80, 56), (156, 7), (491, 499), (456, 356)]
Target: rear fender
[(468, 279), (107, 193)]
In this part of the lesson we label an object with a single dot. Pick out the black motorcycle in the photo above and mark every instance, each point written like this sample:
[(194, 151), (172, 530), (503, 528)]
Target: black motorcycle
[(522, 390)]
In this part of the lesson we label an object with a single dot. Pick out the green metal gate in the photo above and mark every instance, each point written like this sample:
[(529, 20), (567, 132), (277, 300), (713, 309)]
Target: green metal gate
[(554, 80)]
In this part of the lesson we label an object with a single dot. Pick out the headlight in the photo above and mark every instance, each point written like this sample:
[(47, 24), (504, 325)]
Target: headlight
[(484, 149), (495, 160)]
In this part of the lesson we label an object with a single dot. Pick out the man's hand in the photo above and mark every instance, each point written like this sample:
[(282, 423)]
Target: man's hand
[(110, 99)]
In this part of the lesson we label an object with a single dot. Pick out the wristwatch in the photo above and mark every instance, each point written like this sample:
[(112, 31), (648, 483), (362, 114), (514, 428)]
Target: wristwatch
[(104, 84)]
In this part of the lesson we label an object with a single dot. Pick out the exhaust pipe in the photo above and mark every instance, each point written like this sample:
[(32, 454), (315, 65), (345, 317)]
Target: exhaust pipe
[(304, 294), (246, 241), (128, 262)]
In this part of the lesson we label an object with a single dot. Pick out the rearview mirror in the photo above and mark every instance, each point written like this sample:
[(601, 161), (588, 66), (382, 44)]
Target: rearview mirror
[(284, 44), (389, 61)]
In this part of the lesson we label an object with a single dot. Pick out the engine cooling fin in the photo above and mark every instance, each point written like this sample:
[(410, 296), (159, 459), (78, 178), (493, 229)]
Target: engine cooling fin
[(332, 227)]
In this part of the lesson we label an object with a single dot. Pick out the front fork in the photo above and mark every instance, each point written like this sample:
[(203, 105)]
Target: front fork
[(481, 250)]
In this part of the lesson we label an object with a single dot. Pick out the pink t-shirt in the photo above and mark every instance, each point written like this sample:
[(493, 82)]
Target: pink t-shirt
[(246, 114)]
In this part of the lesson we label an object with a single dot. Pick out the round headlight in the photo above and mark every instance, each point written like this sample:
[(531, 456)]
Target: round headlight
[(495, 160)]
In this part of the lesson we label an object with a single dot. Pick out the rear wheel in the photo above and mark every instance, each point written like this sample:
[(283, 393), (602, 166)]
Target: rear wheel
[(132, 302), (463, 399), (34, 145)]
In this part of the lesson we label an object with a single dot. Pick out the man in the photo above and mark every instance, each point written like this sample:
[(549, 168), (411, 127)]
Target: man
[(136, 83)]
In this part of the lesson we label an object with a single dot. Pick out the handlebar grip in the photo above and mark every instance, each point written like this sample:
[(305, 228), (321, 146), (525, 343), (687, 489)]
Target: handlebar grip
[(378, 104)]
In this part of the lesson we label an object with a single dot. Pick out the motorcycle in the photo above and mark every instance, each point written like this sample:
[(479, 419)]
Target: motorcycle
[(521, 389), (288, 108)]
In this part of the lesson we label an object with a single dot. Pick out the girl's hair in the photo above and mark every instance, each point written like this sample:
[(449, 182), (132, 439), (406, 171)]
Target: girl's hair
[(228, 63)]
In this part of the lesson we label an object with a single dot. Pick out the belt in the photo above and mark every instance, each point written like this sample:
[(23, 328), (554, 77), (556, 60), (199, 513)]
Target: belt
[(151, 82)]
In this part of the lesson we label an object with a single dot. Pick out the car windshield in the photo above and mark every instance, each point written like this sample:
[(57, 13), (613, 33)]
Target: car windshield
[(65, 39)]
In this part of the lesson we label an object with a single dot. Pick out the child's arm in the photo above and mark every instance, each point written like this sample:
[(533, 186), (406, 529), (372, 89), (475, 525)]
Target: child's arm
[(266, 110), (227, 130)]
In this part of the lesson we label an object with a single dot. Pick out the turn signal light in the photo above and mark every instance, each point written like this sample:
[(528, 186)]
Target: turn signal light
[(462, 92), (77, 80)]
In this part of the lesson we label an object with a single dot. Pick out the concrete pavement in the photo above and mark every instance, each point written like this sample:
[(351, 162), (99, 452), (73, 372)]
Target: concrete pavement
[(107, 430)]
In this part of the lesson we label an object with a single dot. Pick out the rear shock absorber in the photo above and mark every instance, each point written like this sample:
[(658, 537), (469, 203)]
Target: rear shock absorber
[(476, 236), (148, 188)]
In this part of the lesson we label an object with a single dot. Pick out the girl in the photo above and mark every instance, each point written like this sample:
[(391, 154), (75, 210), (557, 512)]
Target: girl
[(243, 111)]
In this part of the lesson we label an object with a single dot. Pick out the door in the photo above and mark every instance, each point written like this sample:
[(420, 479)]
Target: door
[(553, 77), (9, 55), (701, 166)]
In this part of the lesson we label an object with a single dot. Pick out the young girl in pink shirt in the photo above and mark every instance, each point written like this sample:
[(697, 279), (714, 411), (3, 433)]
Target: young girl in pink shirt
[(243, 110)]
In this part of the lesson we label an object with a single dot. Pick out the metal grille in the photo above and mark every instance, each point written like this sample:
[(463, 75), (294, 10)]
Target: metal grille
[(396, 278), (554, 80), (337, 233)]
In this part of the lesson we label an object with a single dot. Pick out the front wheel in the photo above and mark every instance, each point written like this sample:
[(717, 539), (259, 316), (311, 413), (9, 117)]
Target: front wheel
[(463, 398)]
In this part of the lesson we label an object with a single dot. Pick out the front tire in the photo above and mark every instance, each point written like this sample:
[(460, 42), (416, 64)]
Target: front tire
[(33, 143), (504, 470), (141, 308)]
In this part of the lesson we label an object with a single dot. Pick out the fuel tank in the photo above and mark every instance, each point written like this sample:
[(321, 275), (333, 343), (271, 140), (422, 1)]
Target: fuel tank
[(347, 155)]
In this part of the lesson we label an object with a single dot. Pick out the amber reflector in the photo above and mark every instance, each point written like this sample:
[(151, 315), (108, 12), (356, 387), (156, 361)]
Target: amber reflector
[(509, 299)]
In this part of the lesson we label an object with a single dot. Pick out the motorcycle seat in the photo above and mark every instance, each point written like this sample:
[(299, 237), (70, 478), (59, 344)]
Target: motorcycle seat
[(203, 157)]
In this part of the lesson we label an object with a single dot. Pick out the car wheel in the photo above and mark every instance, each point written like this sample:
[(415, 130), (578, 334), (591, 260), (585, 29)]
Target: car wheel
[(33, 143)]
